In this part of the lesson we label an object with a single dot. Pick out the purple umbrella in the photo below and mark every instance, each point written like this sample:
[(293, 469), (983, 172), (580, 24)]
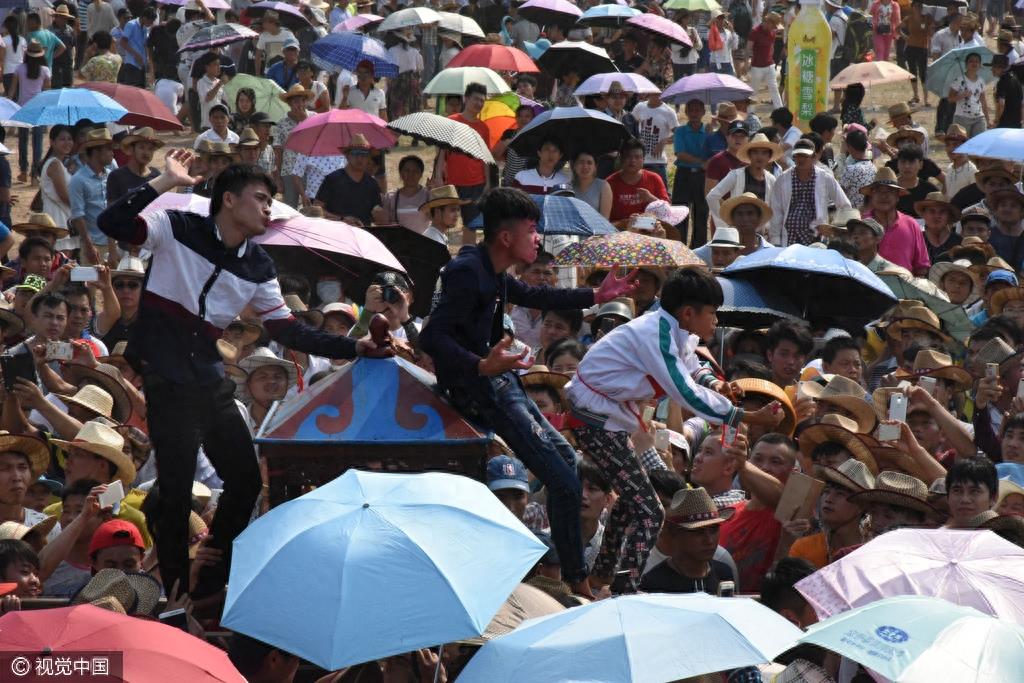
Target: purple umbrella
[(537, 107), (543, 12), (629, 82), (661, 27), (358, 22), (708, 88), (291, 16)]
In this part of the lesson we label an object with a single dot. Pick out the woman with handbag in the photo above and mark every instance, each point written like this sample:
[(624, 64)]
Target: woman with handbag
[(885, 17)]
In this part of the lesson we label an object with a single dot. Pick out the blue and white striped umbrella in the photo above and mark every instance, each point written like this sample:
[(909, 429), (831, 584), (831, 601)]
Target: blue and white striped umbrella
[(337, 51), (564, 215), (69, 106)]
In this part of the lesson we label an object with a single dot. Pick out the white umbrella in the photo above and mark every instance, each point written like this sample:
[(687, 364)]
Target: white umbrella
[(407, 18), (7, 109), (453, 81), (457, 23)]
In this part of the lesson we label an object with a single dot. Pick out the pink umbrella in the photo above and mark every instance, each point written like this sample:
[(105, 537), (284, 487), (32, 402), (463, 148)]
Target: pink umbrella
[(661, 27), (324, 134), (211, 4), (970, 568), (358, 22), (189, 201)]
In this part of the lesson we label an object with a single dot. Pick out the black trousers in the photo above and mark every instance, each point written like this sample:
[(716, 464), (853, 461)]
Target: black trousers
[(182, 417), (131, 75), (688, 190)]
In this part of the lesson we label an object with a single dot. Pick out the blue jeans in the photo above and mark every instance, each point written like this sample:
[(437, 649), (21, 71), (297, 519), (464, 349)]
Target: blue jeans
[(515, 418), (37, 149), (723, 69)]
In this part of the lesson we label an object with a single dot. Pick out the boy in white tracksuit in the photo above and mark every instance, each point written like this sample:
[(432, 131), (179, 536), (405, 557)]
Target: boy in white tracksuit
[(650, 357)]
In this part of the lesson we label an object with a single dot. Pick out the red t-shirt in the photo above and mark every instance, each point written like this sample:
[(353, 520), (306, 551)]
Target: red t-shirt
[(461, 170), (762, 42), (751, 538), (720, 165), (625, 197)]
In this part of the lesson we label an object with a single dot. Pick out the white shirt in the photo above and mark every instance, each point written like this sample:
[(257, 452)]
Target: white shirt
[(730, 42), (959, 178), (969, 106), (406, 57), (203, 88), (231, 138), (943, 41), (12, 57), (372, 103), (655, 126), (690, 57), (170, 93), (272, 46)]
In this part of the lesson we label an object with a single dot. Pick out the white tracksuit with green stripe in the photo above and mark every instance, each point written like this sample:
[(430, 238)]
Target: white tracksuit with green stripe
[(616, 375)]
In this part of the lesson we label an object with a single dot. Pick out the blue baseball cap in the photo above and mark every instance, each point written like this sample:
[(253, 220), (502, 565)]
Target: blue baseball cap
[(504, 472), (1001, 275)]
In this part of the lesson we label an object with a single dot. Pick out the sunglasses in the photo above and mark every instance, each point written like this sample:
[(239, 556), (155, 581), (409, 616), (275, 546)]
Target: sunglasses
[(127, 284)]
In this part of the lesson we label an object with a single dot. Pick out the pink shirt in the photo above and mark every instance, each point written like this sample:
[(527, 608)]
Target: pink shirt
[(903, 244)]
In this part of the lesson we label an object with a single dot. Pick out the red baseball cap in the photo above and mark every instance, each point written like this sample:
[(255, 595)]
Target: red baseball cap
[(114, 533)]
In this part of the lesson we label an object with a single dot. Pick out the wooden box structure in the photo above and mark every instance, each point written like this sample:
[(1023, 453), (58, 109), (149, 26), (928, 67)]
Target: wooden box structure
[(382, 414)]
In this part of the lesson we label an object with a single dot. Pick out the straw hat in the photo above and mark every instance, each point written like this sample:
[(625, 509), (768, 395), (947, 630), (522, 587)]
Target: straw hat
[(16, 531), (137, 593), (900, 109), (1010, 193), (1005, 296), (725, 113), (994, 172), (943, 268), (10, 322), (953, 133), (905, 133), (101, 440), (726, 238), (996, 351), (92, 398), (34, 449), (852, 474), (759, 141), (992, 265), (34, 49), (358, 142), (838, 429), (884, 177), (918, 317), (841, 218), (40, 221), (694, 509), (753, 386), (248, 138), (261, 357), (63, 11), (218, 149), (97, 137), (541, 376), (144, 134), (726, 209), (931, 363), (897, 489), (938, 199), (129, 266), (847, 394), (443, 196), (110, 379), (1008, 487), (295, 91), (802, 670)]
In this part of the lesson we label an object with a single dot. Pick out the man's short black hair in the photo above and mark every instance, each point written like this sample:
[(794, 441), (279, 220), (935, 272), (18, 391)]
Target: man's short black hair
[(770, 132), (292, 283), (28, 244), (630, 145), (974, 470), (782, 117), (910, 152), (149, 13), (82, 487), (48, 299), (589, 472), (411, 159), (76, 289), (816, 140), (475, 89), (778, 590), (524, 78), (789, 330), (857, 140), (748, 368), (834, 346), (573, 316), (248, 654), (234, 179), (666, 482), (777, 439), (15, 550), (502, 206), (845, 248), (690, 287), (822, 123), (999, 326), (552, 140), (305, 64)]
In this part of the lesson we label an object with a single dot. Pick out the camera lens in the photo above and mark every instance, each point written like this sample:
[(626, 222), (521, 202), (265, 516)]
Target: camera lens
[(391, 294)]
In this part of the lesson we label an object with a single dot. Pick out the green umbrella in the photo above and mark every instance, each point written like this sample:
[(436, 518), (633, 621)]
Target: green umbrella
[(693, 5), (954, 317), (267, 95)]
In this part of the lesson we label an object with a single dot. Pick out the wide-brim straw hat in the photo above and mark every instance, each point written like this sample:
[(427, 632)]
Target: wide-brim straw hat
[(884, 177), (218, 149), (898, 489), (97, 137), (40, 221), (34, 49), (903, 134), (954, 132), (759, 141), (541, 376), (900, 109), (63, 11), (129, 266), (939, 270), (847, 394), (104, 441), (248, 138), (443, 196), (1003, 297), (91, 397), (259, 358), (938, 199), (851, 474), (932, 363), (296, 90), (144, 134), (773, 392), (137, 593), (1011, 192), (838, 429), (17, 531), (996, 351), (727, 207), (109, 378), (34, 449), (694, 509), (1008, 487), (918, 317)]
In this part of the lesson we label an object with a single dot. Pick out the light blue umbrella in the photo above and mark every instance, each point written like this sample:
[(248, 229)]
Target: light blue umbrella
[(372, 565), (639, 638), (607, 16), (563, 215), (950, 66), (69, 106), (917, 639), (998, 143)]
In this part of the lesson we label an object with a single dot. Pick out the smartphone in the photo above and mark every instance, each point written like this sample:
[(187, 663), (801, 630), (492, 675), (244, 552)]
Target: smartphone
[(59, 351), (1020, 388), (113, 495), (620, 582), (991, 369), (84, 274), (644, 223), (176, 618), (17, 365), (661, 440), (897, 411), (726, 589), (928, 384)]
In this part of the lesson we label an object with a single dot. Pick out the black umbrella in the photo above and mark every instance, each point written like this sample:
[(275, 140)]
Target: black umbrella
[(577, 128), (550, 12), (216, 35), (422, 258), (575, 55)]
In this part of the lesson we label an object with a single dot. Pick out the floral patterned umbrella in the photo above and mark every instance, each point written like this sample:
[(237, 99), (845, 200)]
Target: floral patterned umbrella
[(627, 249)]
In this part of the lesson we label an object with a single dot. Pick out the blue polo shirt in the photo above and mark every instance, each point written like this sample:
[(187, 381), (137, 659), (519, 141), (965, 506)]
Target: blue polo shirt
[(88, 193), (714, 144), (136, 34), (686, 139)]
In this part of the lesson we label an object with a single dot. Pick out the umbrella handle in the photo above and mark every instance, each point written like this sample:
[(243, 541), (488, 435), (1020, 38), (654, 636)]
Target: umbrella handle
[(437, 669)]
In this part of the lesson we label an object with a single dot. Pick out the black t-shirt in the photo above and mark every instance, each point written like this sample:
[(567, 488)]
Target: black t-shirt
[(1009, 89), (967, 196), (343, 196), (917, 194), (122, 180), (664, 579), (752, 184), (629, 65), (941, 252), (164, 44)]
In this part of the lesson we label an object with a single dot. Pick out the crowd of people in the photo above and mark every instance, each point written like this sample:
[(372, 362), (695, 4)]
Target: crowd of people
[(645, 445)]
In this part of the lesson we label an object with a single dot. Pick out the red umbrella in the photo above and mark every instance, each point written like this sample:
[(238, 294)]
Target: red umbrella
[(325, 134), (144, 108), (497, 57), (151, 652)]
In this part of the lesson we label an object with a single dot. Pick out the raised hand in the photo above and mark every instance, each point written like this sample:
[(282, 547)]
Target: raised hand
[(614, 286), (500, 359), (176, 172)]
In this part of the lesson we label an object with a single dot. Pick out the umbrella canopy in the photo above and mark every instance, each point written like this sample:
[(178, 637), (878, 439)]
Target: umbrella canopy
[(972, 568), (453, 81), (7, 109), (443, 132), (919, 639), (325, 134), (345, 50), (544, 12), (216, 35), (627, 249), (409, 17), (661, 27), (360, 22), (870, 73), (635, 638), (709, 88), (317, 246), (499, 114), (629, 82), (821, 282), (267, 95), (196, 203), (151, 652), (998, 143), (577, 128), (950, 66), (954, 317), (421, 257), (561, 215), (291, 16), (607, 16), (575, 55), (747, 307), (497, 57), (69, 106), (458, 23), (441, 548), (144, 108), (212, 4), (693, 5)]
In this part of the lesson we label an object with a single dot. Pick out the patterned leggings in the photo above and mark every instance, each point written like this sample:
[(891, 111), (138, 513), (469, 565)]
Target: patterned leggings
[(636, 516)]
